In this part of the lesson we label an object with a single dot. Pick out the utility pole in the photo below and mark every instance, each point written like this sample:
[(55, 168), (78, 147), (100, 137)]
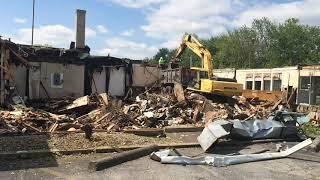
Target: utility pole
[(28, 87), (32, 22)]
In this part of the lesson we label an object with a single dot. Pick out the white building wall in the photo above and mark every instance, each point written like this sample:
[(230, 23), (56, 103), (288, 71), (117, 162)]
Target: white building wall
[(289, 76), (117, 81), (98, 83), (226, 73), (72, 83)]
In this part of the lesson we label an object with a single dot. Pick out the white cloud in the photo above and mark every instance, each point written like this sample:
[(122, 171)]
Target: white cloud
[(127, 33), (123, 48), (308, 11), (137, 3), (171, 44), (53, 35), (90, 33), (102, 29), (203, 17), (19, 20), (170, 19)]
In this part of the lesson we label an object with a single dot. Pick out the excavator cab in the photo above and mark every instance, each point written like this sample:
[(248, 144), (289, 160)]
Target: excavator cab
[(195, 78)]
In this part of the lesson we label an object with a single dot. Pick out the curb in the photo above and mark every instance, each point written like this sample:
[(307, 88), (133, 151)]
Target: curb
[(105, 149)]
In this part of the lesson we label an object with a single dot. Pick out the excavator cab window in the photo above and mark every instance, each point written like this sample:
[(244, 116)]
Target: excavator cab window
[(194, 79), (203, 75)]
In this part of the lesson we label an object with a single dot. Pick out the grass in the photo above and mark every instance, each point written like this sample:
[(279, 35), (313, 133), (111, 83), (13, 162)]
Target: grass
[(310, 130)]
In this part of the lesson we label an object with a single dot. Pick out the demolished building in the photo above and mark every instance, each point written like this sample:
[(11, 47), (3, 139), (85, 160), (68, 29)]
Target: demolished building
[(38, 72), (45, 72)]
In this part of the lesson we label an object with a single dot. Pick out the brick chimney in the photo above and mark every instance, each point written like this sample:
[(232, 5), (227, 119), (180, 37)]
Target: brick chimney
[(80, 29)]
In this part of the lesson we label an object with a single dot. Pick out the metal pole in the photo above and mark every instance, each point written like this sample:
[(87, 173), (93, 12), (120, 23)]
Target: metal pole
[(32, 22), (2, 53), (310, 88)]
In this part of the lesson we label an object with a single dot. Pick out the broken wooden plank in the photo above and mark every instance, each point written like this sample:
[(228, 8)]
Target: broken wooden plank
[(53, 127), (183, 129), (76, 104), (251, 116), (102, 118), (90, 116), (237, 108), (121, 158), (276, 105), (31, 127), (104, 98), (178, 92)]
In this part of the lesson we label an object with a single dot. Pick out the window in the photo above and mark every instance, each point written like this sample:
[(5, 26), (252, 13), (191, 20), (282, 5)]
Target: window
[(304, 83), (276, 85), (257, 85), (203, 75), (266, 85), (248, 84), (56, 80)]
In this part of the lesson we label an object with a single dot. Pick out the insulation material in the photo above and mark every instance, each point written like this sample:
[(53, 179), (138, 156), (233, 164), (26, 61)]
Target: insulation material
[(218, 160)]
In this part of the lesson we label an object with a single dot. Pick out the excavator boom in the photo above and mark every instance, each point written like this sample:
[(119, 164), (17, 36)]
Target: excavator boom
[(210, 83), (205, 55)]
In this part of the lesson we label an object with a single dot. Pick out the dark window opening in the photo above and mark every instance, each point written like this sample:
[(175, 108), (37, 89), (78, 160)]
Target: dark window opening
[(257, 85), (249, 85), (266, 85), (276, 85), (304, 83)]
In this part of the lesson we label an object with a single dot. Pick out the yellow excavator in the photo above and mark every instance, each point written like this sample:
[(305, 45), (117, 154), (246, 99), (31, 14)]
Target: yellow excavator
[(203, 79)]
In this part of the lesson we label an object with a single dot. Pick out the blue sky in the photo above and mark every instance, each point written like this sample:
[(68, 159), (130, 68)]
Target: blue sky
[(137, 28)]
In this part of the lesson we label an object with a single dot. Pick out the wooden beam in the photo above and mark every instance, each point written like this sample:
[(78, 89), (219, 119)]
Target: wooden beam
[(121, 158)]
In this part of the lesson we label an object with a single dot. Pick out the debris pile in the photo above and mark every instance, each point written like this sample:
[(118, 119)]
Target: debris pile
[(148, 110), (63, 116), (154, 110), (314, 118), (25, 119)]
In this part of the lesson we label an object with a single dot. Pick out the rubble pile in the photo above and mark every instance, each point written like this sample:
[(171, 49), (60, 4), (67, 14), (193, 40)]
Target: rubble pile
[(60, 116), (26, 119), (148, 110), (154, 110)]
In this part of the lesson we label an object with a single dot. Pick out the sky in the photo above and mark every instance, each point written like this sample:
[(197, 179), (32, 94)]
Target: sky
[(138, 28)]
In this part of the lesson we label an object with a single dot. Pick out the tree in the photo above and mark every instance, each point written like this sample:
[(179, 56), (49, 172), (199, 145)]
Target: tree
[(263, 44), (165, 53)]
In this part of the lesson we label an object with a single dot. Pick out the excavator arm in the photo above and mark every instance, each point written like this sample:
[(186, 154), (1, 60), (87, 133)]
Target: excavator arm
[(209, 84), (195, 46)]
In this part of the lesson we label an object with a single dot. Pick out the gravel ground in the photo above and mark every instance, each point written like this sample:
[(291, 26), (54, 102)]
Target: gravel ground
[(77, 141)]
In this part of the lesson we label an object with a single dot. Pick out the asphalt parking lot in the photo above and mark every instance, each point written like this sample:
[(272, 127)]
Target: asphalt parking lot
[(302, 165)]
